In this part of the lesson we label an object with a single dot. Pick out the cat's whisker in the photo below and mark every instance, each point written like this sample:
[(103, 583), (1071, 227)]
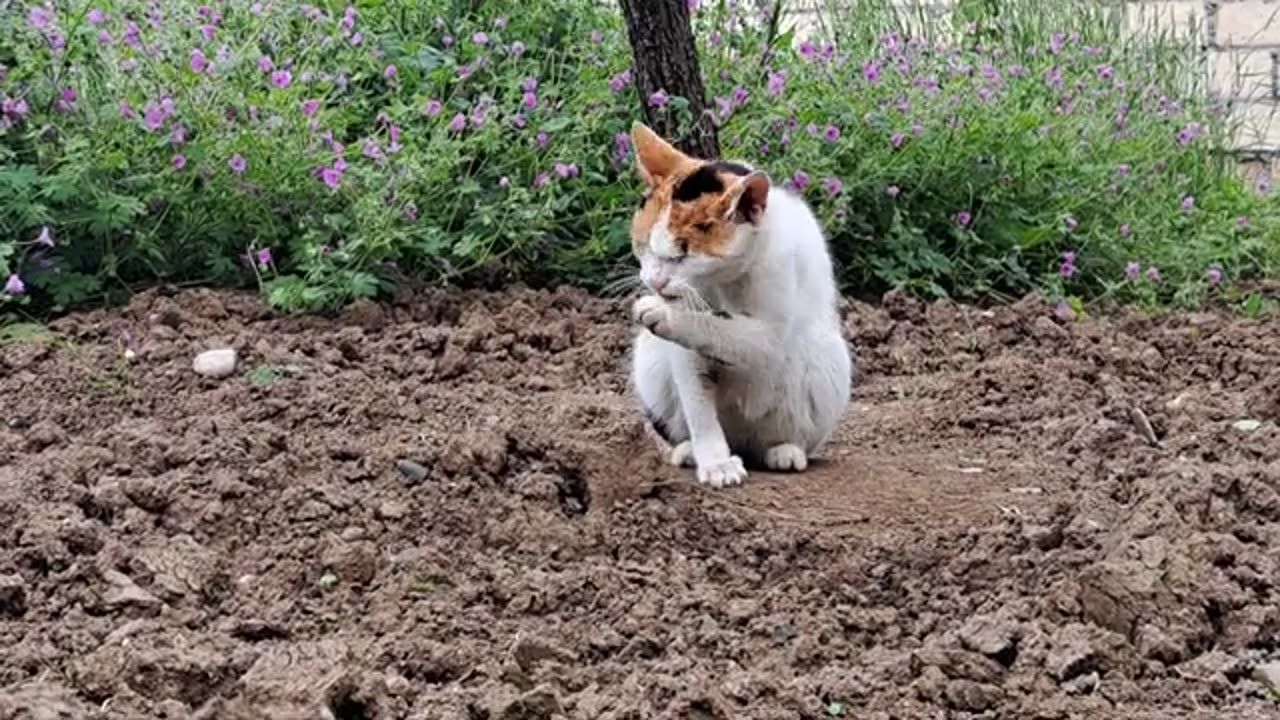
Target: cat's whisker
[(693, 298), (621, 286)]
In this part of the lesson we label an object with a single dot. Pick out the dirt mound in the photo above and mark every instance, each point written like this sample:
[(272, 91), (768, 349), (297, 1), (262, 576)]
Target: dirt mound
[(446, 508)]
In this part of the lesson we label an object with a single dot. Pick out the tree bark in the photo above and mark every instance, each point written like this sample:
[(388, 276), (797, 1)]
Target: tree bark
[(666, 59)]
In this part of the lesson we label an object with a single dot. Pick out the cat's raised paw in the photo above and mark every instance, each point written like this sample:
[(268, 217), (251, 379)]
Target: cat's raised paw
[(682, 454), (654, 314), (786, 457), (722, 473)]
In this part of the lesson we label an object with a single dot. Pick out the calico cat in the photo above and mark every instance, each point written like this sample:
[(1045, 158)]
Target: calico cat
[(740, 354)]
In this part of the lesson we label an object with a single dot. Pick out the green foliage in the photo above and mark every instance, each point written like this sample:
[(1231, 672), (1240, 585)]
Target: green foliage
[(1033, 146)]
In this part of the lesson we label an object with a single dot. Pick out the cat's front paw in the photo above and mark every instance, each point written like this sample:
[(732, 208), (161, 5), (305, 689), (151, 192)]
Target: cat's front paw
[(654, 314), (722, 473)]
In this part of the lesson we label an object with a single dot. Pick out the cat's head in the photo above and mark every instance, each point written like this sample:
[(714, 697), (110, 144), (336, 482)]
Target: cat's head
[(697, 220)]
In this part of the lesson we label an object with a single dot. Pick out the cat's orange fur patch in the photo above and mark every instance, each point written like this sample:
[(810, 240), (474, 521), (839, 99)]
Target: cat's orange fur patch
[(700, 225)]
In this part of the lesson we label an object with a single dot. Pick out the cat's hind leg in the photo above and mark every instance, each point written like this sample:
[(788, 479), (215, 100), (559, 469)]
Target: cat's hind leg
[(812, 395)]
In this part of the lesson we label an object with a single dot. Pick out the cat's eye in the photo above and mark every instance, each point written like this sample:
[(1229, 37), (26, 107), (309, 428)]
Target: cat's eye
[(702, 227)]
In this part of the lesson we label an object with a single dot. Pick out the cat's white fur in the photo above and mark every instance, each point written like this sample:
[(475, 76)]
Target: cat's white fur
[(743, 356)]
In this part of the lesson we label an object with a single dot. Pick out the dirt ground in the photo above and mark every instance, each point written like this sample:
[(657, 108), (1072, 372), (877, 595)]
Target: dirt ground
[(446, 507)]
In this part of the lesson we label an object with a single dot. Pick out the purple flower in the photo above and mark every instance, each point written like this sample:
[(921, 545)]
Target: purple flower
[(15, 286), (310, 107), (658, 99), (237, 163), (1123, 168), (808, 50), (620, 81), (597, 37), (963, 218), (800, 180), (1132, 270), (1153, 274), (832, 133), (897, 139), (1124, 230), (264, 257), (1068, 267), (433, 107), (447, 41), (530, 84), (97, 17), (199, 63), (543, 140), (104, 38), (459, 123), (892, 191), (530, 100), (1214, 276), (833, 186), (1188, 134), (41, 19), (281, 79), (1188, 203), (500, 22), (390, 72), (517, 49), (1064, 312), (540, 180), (207, 32), (1242, 221), (331, 176), (480, 38), (1264, 186), (566, 171), (264, 64), (504, 182), (871, 72), (179, 161), (777, 83), (740, 96), (1071, 223), (45, 237)]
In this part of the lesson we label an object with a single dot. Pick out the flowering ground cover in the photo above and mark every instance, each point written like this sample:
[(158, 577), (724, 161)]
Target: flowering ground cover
[(330, 152)]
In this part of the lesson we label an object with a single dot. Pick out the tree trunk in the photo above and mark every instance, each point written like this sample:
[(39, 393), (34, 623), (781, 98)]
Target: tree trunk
[(666, 59)]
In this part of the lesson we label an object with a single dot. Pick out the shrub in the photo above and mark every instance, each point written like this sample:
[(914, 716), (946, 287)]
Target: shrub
[(327, 152)]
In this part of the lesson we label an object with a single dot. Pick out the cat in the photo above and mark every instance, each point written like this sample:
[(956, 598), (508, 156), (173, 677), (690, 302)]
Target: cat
[(740, 354)]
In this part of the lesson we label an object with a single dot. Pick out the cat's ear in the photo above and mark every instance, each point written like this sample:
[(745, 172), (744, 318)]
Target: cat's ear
[(745, 201), (656, 158)]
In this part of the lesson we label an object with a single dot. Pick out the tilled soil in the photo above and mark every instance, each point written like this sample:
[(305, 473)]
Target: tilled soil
[(446, 507)]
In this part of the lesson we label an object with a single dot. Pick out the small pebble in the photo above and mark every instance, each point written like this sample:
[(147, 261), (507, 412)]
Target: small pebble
[(412, 471), (1247, 425), (215, 363)]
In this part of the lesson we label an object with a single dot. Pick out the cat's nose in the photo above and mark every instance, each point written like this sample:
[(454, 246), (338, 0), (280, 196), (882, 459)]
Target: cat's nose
[(658, 284)]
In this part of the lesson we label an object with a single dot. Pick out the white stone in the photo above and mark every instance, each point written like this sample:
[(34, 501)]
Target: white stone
[(215, 363)]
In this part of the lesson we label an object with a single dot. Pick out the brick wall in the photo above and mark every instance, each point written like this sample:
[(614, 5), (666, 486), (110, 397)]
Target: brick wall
[(1241, 45)]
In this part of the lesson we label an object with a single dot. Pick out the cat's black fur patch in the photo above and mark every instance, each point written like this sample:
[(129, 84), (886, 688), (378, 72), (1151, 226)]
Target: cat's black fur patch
[(732, 168), (706, 180), (723, 315)]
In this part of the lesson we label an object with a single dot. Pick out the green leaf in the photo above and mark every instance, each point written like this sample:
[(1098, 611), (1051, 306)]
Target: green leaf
[(557, 124)]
